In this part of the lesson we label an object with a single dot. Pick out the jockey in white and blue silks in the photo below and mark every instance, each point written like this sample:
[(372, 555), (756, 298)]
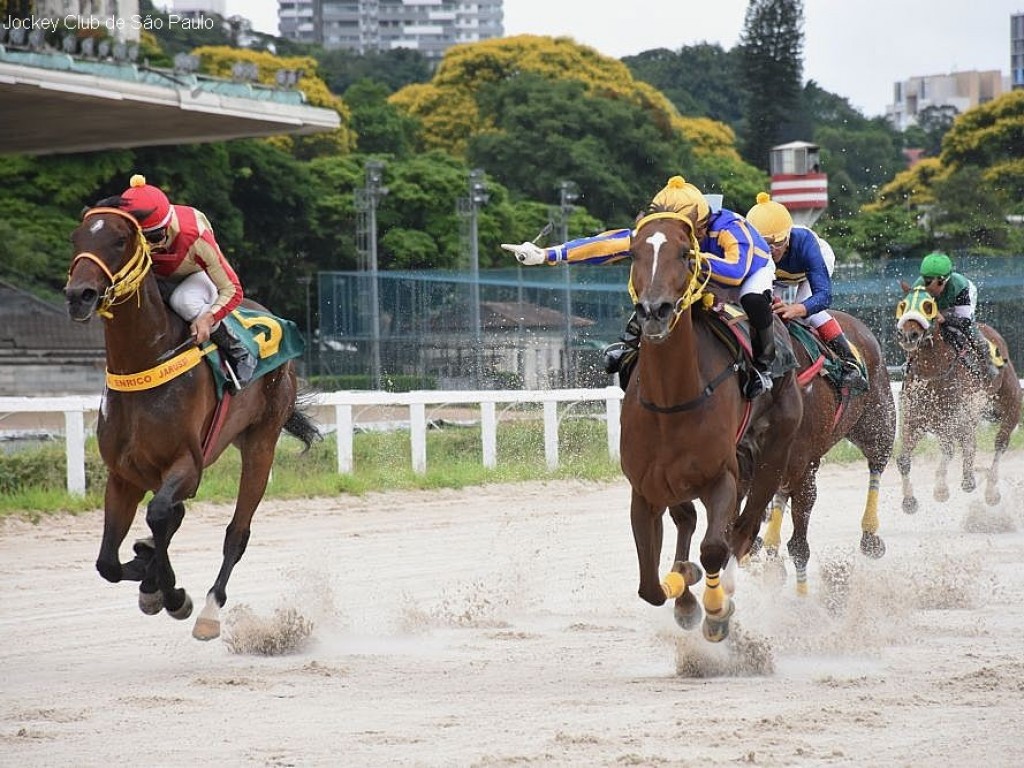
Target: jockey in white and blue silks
[(804, 261), (737, 255)]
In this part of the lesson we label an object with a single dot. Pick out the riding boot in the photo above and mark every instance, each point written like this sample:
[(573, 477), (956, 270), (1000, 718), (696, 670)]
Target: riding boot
[(242, 361), (852, 377), (616, 353), (762, 343), (979, 345)]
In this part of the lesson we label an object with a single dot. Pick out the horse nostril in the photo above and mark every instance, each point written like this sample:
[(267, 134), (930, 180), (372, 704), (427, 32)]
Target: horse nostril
[(664, 310)]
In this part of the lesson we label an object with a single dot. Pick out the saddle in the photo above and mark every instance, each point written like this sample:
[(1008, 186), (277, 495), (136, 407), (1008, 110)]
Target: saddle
[(729, 322), (824, 360)]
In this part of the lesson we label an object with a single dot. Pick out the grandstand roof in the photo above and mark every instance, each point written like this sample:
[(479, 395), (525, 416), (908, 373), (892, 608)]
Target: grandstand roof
[(54, 103)]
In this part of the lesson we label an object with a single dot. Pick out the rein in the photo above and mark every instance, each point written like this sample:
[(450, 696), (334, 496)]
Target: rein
[(127, 281)]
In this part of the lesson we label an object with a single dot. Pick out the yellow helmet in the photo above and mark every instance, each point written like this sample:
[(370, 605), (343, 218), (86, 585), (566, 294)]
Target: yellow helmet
[(681, 196), (771, 219)]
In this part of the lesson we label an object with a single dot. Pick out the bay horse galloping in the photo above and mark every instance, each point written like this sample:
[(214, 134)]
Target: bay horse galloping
[(153, 439), (687, 431), (943, 396), (866, 419)]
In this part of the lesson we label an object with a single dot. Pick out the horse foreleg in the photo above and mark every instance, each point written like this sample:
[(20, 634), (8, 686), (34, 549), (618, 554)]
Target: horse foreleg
[(871, 543), (941, 492), (164, 515), (721, 503), (773, 530), (804, 495), (908, 441), (257, 459), (645, 520), (970, 452), (684, 573), (120, 502)]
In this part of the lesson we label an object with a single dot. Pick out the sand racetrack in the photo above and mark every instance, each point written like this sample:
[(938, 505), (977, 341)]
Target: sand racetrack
[(500, 626)]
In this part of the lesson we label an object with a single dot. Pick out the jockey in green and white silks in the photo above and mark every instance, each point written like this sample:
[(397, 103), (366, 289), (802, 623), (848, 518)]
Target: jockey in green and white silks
[(956, 298), (736, 253)]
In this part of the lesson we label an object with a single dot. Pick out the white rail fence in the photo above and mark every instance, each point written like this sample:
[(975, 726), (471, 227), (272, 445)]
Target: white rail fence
[(344, 404)]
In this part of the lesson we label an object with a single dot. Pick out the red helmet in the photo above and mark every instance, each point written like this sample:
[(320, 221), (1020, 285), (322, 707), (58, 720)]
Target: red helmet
[(141, 196)]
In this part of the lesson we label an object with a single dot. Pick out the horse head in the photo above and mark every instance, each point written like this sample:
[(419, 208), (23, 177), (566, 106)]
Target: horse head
[(668, 273), (915, 318), (111, 259)]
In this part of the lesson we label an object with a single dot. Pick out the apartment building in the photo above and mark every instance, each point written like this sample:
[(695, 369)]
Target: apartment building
[(1017, 50), (365, 26), (962, 90)]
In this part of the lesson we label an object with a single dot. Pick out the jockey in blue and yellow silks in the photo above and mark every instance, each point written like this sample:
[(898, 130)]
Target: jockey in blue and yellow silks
[(738, 256)]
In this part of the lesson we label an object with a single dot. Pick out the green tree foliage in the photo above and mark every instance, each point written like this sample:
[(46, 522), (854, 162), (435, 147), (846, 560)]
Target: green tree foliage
[(393, 69), (380, 127), (701, 80), (613, 152), (771, 64), (932, 125)]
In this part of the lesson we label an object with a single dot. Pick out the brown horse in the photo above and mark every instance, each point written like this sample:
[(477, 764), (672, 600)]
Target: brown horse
[(152, 439), (942, 396), (688, 433), (867, 419)]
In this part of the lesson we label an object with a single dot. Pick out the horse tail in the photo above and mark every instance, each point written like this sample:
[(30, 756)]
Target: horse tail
[(300, 425)]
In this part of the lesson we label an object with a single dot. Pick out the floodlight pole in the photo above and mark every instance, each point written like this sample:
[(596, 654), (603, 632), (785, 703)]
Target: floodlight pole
[(477, 196), (567, 194), (374, 192)]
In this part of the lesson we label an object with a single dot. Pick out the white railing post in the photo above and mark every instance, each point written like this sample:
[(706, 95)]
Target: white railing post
[(74, 431), (551, 433), (343, 434), (489, 434), (418, 436)]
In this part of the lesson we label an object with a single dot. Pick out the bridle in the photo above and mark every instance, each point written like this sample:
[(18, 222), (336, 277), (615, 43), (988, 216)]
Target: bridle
[(700, 272), (127, 281)]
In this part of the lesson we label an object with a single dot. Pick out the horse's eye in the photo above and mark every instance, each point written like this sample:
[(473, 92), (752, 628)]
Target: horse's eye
[(901, 308)]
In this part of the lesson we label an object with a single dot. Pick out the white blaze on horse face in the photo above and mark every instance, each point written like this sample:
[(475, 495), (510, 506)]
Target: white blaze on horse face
[(656, 240), (96, 226)]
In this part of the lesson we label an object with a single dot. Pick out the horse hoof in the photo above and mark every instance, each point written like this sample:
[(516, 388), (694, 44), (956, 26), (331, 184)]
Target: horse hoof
[(941, 494), (993, 497), (183, 611), (151, 603), (687, 611), (910, 505), (206, 629), (871, 544), (716, 628), (968, 484)]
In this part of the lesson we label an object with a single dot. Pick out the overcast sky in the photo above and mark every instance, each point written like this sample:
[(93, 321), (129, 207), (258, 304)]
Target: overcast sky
[(854, 48)]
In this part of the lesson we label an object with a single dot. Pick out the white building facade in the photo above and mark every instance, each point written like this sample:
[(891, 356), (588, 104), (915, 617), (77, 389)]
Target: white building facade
[(373, 26)]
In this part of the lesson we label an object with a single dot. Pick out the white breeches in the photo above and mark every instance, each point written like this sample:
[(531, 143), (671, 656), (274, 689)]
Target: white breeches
[(193, 296)]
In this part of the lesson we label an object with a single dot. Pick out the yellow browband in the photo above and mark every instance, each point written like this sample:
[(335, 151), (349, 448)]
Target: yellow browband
[(700, 274), (126, 282)]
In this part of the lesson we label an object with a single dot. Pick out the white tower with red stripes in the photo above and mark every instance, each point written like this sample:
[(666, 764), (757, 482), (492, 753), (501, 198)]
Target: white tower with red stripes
[(797, 181)]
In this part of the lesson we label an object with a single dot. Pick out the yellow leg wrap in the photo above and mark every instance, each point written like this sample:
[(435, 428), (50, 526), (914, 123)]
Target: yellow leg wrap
[(673, 585), (801, 588), (714, 596), (869, 522), (773, 531)]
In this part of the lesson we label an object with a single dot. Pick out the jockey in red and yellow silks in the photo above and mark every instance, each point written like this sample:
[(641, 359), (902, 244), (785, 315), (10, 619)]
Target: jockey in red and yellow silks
[(186, 255)]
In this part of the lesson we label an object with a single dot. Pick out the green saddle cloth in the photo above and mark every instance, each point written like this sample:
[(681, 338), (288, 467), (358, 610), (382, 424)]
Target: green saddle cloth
[(833, 365), (271, 339)]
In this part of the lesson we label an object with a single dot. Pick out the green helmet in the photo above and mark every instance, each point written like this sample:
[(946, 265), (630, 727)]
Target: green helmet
[(936, 265)]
